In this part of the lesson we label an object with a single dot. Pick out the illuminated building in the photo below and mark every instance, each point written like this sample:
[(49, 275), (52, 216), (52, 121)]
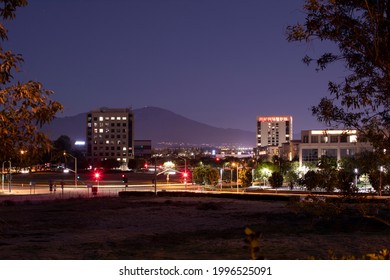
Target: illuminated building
[(110, 136), (274, 130), (336, 144)]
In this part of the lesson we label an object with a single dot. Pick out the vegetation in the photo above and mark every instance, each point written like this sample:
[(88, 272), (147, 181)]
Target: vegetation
[(245, 176), (205, 175), (360, 31), (276, 179), (24, 107)]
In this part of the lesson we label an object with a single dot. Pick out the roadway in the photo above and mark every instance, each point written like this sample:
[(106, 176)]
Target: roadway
[(35, 186)]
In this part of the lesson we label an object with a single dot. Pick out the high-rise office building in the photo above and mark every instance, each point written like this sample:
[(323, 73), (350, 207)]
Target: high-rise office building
[(274, 130), (110, 136)]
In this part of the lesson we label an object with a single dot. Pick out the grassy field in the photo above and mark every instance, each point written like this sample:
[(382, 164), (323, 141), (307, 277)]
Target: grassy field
[(186, 228)]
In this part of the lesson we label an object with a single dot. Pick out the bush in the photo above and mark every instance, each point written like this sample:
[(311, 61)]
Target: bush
[(276, 180)]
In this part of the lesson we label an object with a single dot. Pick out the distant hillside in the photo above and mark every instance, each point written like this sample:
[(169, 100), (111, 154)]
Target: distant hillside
[(161, 126)]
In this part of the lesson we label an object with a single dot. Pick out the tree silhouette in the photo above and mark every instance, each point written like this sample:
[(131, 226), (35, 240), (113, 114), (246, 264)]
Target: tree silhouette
[(361, 31), (24, 107)]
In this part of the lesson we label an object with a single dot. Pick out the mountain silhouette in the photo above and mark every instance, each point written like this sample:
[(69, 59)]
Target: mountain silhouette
[(163, 127)]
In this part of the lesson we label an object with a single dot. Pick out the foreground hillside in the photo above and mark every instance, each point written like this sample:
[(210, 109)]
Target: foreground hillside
[(178, 228)]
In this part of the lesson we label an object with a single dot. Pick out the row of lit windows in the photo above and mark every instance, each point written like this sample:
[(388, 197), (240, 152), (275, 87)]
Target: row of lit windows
[(101, 118), (118, 148), (112, 136), (106, 124), (112, 130), (329, 139), (312, 154)]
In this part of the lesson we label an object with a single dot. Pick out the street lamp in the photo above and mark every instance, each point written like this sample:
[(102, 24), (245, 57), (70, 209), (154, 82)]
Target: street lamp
[(75, 167), (231, 173), (2, 175), (380, 180), (236, 164), (356, 171), (22, 153)]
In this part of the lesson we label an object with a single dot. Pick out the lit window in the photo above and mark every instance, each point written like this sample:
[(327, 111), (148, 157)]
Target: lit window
[(124, 118), (101, 119)]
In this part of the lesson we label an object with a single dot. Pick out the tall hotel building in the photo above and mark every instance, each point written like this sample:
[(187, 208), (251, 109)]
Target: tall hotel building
[(110, 135), (274, 131)]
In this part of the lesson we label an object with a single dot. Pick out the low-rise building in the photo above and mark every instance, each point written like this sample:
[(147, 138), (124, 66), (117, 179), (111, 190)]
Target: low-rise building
[(336, 144)]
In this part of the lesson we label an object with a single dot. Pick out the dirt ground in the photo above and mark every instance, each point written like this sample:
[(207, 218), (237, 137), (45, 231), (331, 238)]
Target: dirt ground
[(181, 228)]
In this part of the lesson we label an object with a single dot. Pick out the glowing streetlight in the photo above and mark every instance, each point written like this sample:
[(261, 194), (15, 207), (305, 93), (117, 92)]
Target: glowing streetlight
[(356, 171), (231, 173), (2, 175), (237, 166), (75, 167), (380, 180)]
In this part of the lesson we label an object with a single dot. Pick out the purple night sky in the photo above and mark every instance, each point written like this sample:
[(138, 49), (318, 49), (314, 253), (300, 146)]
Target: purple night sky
[(220, 62)]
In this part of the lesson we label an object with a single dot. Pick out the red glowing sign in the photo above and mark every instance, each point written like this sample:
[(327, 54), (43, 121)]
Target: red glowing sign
[(274, 119)]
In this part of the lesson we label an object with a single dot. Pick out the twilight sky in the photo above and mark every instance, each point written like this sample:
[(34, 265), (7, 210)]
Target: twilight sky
[(220, 62)]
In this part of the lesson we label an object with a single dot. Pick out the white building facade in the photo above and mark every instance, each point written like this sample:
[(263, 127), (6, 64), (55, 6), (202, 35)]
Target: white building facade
[(336, 144), (274, 130)]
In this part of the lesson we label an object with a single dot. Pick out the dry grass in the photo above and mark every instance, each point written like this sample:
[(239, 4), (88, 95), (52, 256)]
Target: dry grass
[(179, 228)]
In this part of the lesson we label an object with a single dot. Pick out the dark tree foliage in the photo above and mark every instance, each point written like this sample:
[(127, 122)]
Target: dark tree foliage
[(344, 182), (276, 179), (311, 180), (24, 107), (205, 174), (245, 177), (361, 31)]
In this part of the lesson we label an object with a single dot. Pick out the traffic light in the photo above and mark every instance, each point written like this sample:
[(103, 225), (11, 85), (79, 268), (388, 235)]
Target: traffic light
[(97, 176), (185, 174), (124, 178), (146, 165)]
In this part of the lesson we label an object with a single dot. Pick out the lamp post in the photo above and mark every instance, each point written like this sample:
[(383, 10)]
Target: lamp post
[(2, 175), (75, 167), (22, 153), (380, 180), (237, 177), (236, 164), (220, 175), (231, 173), (356, 171)]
